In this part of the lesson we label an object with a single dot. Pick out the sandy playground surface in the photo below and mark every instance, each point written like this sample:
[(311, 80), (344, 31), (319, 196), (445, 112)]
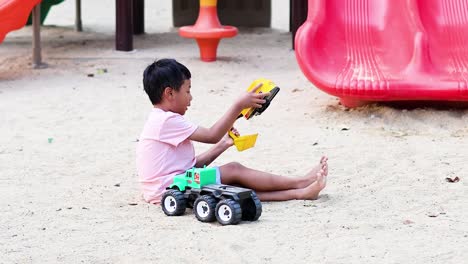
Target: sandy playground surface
[(69, 191)]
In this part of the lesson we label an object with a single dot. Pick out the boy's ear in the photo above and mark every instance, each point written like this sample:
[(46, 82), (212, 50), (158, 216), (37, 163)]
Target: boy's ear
[(168, 91)]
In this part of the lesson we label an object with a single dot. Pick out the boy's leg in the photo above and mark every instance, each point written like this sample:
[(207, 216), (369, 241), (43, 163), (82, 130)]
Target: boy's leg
[(236, 174), (310, 192)]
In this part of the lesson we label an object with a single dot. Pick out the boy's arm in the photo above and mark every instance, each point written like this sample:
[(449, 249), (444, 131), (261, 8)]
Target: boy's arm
[(207, 157), (221, 127)]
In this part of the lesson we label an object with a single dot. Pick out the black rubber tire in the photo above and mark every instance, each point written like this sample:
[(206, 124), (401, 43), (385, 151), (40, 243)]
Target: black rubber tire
[(251, 209), (173, 203), (208, 205), (228, 212)]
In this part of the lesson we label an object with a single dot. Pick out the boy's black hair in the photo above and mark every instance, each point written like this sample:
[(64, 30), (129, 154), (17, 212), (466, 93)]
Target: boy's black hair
[(161, 74)]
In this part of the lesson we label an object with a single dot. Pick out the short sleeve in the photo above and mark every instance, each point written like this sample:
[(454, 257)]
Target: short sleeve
[(175, 130)]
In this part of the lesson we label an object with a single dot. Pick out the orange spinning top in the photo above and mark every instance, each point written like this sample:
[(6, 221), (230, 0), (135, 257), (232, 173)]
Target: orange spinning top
[(207, 30)]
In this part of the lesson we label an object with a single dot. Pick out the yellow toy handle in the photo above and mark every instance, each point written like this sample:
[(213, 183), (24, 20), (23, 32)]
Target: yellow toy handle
[(232, 135), (267, 87)]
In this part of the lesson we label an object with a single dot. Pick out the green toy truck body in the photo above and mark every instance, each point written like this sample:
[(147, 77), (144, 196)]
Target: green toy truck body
[(194, 178)]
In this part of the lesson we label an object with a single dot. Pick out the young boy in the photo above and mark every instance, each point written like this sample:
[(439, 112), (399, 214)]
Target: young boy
[(165, 146)]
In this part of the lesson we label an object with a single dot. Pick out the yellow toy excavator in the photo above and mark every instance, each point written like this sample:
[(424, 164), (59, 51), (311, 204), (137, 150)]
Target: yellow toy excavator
[(248, 141)]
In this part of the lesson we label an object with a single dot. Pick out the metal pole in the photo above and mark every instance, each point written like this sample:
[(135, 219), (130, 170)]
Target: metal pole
[(298, 15), (290, 15), (123, 25), (138, 14), (36, 21), (78, 24)]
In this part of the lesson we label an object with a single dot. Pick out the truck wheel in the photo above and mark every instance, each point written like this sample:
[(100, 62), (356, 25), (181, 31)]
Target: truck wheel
[(204, 208), (252, 209), (173, 203), (228, 212)]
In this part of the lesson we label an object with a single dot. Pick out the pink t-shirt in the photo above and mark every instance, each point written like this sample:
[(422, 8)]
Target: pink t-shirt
[(164, 150)]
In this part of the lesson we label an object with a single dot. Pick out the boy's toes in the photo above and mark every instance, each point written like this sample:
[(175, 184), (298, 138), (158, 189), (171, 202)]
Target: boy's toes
[(319, 177), (323, 159)]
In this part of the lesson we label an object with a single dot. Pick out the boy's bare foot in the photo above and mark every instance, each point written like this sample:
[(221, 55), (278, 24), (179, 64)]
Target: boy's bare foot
[(311, 176), (312, 191)]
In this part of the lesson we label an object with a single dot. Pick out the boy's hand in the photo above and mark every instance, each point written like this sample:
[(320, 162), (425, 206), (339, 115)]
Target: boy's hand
[(252, 99), (235, 131), (227, 141)]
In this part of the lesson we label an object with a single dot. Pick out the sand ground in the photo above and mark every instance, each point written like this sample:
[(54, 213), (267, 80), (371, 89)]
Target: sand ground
[(68, 184)]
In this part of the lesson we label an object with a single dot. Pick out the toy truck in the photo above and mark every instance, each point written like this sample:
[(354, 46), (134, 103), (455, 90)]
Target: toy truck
[(197, 189)]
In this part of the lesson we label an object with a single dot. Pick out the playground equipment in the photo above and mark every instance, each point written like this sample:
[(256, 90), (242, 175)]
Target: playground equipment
[(207, 30), (388, 50), (46, 5), (197, 189), (14, 14), (248, 141)]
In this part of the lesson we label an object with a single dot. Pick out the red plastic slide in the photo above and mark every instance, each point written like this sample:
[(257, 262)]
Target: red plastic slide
[(14, 14), (386, 50)]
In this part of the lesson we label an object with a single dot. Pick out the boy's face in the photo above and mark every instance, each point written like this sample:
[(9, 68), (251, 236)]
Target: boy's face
[(182, 98)]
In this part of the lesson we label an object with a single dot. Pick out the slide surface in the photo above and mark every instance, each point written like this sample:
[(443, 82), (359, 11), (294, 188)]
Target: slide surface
[(14, 14), (386, 50)]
